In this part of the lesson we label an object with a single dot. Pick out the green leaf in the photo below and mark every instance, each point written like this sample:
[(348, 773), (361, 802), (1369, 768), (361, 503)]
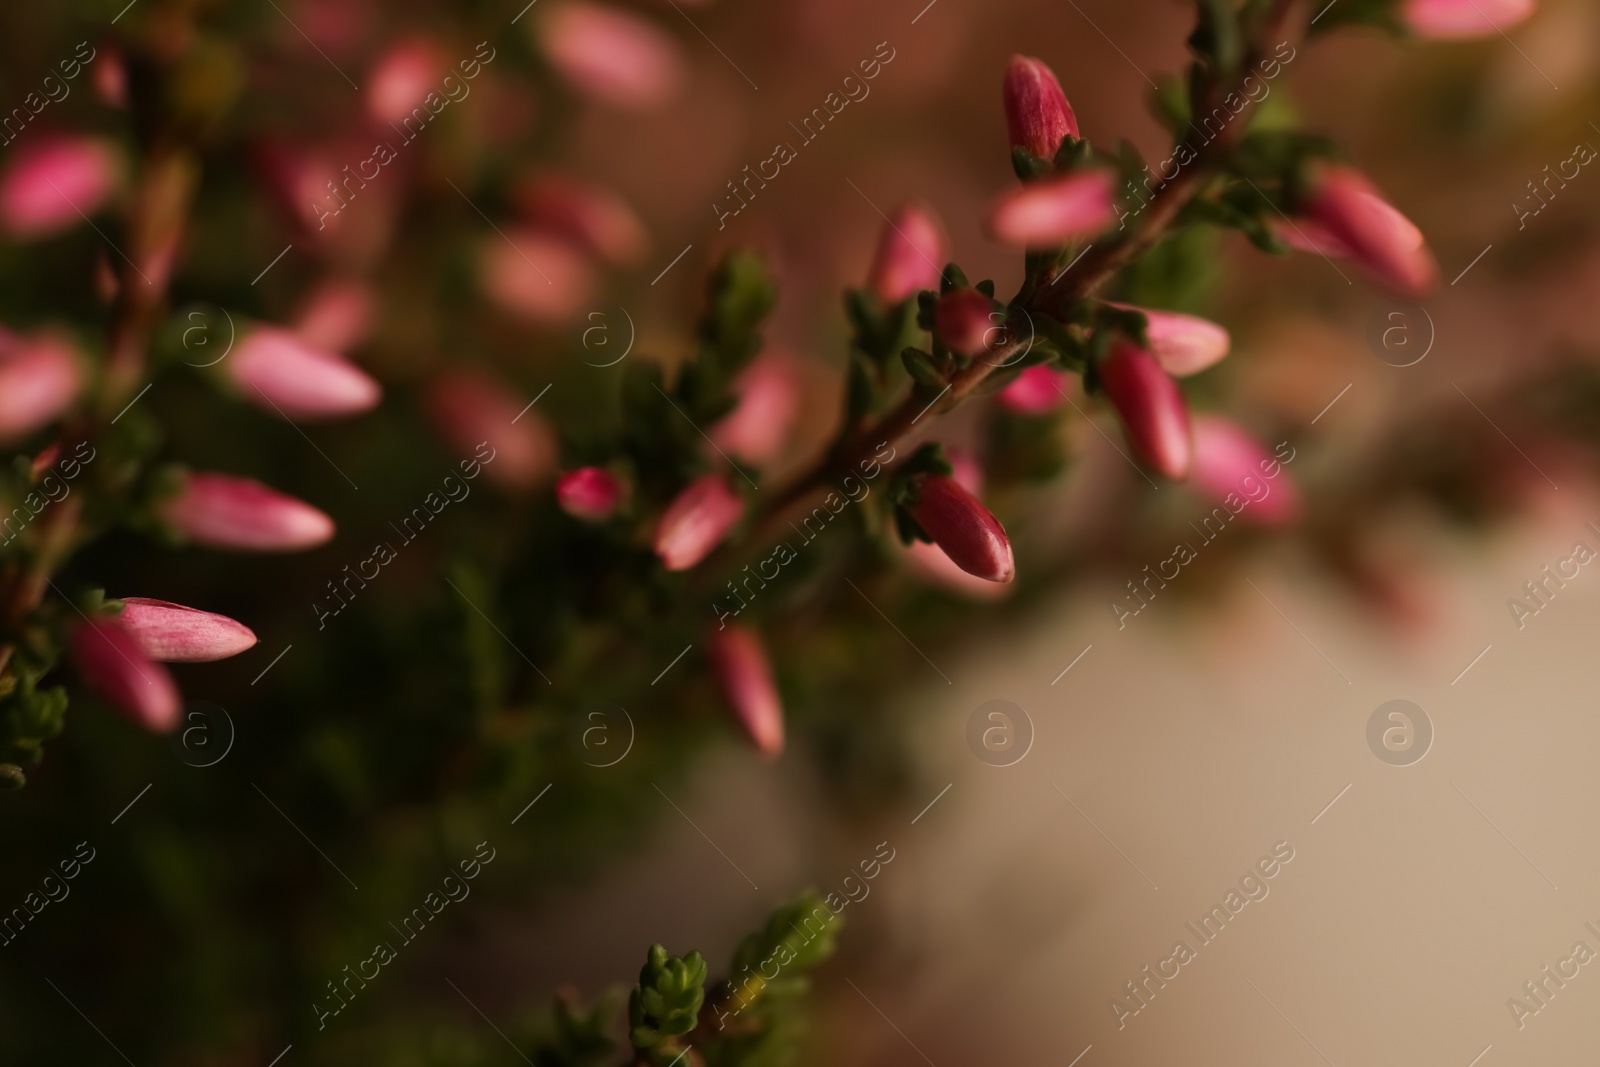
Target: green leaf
[(666, 1002)]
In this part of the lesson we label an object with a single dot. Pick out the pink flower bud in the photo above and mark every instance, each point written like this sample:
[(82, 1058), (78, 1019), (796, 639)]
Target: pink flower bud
[(910, 253), (769, 396), (1367, 228), (1182, 344), (172, 633), (402, 77), (1037, 113), (965, 321), (471, 410), (696, 522), (592, 494), (1036, 391), (934, 567), (336, 317), (1054, 212), (1151, 407), (1462, 18), (601, 222), (109, 77), (744, 675), (49, 183), (1229, 462), (222, 511), (111, 661), (612, 55), (278, 371), (39, 377), (536, 275), (969, 534)]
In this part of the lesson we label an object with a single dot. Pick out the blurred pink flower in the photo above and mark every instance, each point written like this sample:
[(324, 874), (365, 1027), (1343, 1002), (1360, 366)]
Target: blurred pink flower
[(227, 512), (592, 494), (173, 633), (535, 275), (599, 221), (402, 76), (1151, 408), (769, 397), (964, 321), (1054, 212), (744, 675), (1036, 391), (910, 255), (39, 377), (337, 316), (278, 371), (696, 522), (109, 77), (1463, 18), (1228, 461), (966, 530), (1038, 116), (55, 183), (470, 409), (1348, 217), (1183, 344), (111, 661), (612, 54)]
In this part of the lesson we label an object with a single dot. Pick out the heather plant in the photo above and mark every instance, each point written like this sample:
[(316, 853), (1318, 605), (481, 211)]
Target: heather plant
[(319, 392)]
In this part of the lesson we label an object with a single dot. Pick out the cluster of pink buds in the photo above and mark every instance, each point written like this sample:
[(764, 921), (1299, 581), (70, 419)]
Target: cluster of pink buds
[(121, 655)]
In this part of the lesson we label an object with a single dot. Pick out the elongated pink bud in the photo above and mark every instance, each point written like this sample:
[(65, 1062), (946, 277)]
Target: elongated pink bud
[(110, 660), (600, 221), (402, 77), (935, 568), (696, 522), (1346, 206), (910, 251), (1229, 462), (49, 184), (278, 371), (172, 633), (965, 321), (1151, 407), (538, 276), (1183, 344), (969, 534), (471, 410), (592, 494), (758, 428), (1037, 113), (744, 675), (336, 317), (1455, 19), (39, 377), (1038, 390), (612, 55), (1054, 212), (241, 514)]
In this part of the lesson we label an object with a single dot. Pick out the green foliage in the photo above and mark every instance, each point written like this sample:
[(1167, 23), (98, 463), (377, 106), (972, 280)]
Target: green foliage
[(666, 1002)]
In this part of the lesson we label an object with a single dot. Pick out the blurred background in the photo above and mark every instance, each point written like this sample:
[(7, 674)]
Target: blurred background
[(1445, 453)]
